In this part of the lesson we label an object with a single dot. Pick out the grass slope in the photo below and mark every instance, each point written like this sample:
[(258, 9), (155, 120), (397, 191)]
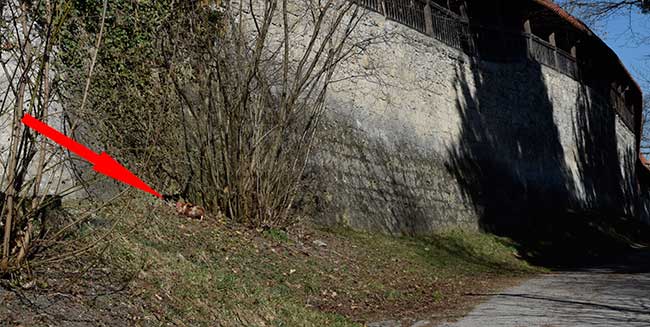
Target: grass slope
[(160, 269), (199, 273)]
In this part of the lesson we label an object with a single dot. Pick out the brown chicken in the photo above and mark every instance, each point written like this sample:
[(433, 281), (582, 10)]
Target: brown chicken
[(190, 210)]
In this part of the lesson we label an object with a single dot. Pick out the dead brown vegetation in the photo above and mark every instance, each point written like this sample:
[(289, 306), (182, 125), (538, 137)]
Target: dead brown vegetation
[(35, 174), (222, 104), (228, 102)]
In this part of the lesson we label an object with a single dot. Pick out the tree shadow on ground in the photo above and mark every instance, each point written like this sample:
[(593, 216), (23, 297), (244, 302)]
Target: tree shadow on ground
[(477, 253), (612, 294)]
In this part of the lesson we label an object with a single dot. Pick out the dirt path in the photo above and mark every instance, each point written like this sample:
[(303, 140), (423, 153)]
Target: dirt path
[(607, 295)]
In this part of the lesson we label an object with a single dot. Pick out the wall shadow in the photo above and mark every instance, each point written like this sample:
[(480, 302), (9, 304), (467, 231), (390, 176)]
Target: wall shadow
[(556, 188), (385, 182), (509, 158), (606, 168), (529, 153)]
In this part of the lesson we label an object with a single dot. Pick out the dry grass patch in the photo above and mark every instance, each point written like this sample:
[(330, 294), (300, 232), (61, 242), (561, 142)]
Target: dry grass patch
[(188, 272), (200, 272)]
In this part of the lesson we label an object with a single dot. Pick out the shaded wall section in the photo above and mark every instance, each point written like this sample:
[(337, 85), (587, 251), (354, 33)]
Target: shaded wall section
[(422, 137)]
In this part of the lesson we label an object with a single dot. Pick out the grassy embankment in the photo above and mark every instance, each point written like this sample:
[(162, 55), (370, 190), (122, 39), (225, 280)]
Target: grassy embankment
[(197, 272), (159, 268)]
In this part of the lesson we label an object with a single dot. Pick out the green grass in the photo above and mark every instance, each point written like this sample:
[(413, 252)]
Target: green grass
[(200, 273), (276, 235)]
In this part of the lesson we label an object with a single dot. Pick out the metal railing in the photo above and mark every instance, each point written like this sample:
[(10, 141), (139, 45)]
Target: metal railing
[(627, 114), (374, 5), (566, 63), (450, 31), (454, 31), (489, 43), (541, 51), (552, 56), (407, 12), (493, 44)]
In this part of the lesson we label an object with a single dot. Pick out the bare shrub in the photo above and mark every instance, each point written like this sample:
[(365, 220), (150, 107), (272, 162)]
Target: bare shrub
[(25, 57), (35, 173), (218, 101), (252, 78)]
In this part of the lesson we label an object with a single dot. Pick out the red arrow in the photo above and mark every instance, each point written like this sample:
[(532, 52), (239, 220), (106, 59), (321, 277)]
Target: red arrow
[(102, 163)]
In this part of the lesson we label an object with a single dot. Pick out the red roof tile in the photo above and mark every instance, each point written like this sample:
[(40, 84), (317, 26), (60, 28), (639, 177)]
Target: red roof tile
[(565, 15), (576, 23)]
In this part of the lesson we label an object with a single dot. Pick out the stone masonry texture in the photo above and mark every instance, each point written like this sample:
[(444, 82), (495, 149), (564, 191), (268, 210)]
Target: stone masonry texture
[(420, 137)]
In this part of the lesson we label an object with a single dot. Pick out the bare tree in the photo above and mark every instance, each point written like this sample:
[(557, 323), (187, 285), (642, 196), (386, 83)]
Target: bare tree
[(17, 64), (33, 173), (593, 10), (252, 90)]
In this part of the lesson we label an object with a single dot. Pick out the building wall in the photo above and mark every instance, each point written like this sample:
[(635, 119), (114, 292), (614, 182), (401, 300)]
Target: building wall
[(57, 176), (422, 137)]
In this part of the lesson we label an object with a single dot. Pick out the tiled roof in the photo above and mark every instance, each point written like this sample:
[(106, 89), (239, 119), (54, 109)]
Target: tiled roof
[(565, 15), (576, 23)]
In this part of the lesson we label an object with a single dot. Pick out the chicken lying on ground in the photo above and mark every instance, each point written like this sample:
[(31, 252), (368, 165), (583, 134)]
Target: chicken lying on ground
[(186, 209), (190, 210)]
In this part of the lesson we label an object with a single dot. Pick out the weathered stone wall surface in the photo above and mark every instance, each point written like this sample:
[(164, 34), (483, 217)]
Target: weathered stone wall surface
[(57, 177), (422, 137)]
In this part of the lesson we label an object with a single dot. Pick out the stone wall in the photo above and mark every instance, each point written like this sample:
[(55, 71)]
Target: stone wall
[(57, 177), (421, 137)]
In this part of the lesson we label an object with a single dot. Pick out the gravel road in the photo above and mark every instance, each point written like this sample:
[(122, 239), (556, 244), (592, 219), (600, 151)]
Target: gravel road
[(607, 295)]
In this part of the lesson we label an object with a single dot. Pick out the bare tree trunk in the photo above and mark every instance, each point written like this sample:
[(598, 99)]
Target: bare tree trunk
[(16, 132), (45, 104)]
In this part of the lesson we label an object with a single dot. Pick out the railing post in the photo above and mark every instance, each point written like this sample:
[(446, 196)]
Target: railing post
[(463, 10), (551, 40), (574, 54), (383, 7), (428, 19), (466, 28), (528, 31)]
